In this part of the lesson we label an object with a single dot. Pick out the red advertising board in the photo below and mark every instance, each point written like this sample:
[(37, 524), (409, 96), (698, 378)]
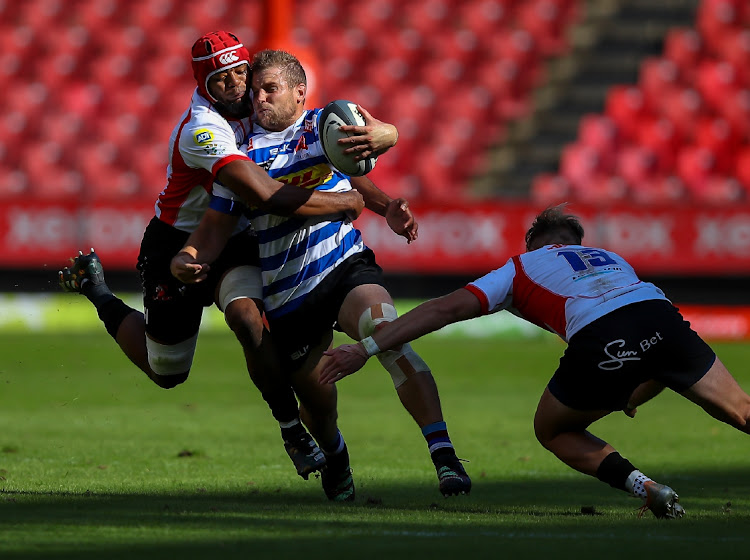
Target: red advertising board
[(465, 239)]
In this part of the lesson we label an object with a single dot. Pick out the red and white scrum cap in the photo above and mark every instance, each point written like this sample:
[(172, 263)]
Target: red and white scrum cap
[(214, 52)]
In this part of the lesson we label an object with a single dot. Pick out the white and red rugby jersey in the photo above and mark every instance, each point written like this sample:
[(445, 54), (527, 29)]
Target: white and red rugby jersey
[(562, 288), (201, 144)]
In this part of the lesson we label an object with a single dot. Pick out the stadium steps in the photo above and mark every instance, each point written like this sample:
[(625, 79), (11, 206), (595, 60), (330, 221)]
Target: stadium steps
[(608, 46)]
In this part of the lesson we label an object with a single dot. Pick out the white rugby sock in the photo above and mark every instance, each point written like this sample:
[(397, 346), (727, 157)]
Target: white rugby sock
[(635, 484)]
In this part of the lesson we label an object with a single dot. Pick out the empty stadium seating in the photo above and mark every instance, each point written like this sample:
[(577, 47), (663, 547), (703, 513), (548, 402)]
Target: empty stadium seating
[(113, 75), (684, 126)]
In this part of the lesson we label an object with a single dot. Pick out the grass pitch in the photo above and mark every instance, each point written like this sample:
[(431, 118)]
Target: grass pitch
[(97, 462)]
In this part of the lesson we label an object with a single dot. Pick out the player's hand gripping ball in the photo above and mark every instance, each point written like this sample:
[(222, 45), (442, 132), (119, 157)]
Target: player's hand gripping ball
[(335, 114)]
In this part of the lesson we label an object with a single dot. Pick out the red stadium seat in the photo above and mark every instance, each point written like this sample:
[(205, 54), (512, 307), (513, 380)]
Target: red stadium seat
[(152, 14), (373, 18), (100, 16), (439, 73), (49, 175), (627, 107), (742, 167), (717, 134), (546, 21), (685, 47), (549, 189), (579, 163), (656, 76), (517, 45), (716, 81), (695, 166), (660, 135), (319, 17), (601, 133), (42, 14), (437, 170), (736, 109), (735, 49), (458, 44), (682, 107), (427, 16), (637, 165), (508, 85), (485, 17), (716, 18)]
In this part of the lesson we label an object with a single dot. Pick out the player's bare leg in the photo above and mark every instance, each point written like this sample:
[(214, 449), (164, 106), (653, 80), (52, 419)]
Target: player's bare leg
[(318, 410), (719, 394), (244, 317), (369, 307), (564, 431), (642, 394)]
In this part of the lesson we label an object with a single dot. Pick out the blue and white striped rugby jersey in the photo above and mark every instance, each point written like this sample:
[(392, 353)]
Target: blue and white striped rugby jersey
[(296, 254)]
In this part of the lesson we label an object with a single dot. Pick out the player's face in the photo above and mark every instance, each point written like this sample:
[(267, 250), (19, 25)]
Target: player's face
[(229, 88), (276, 104)]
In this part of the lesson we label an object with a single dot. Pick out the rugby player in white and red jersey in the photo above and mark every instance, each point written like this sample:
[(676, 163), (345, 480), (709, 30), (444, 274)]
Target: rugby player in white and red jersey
[(626, 342), (204, 150)]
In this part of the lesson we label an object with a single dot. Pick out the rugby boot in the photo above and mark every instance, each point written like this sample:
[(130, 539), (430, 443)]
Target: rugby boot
[(451, 475), (336, 478), (662, 501), (84, 269), (305, 454)]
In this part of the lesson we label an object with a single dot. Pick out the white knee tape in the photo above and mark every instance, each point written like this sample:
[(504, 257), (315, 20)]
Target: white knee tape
[(238, 283), (373, 316), (171, 359), (399, 363), (402, 364)]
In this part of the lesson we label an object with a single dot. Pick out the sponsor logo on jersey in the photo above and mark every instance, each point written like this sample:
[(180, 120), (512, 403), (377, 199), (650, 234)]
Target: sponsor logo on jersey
[(249, 144), (229, 57), (215, 149), (308, 178), (301, 145), (203, 137), (309, 125)]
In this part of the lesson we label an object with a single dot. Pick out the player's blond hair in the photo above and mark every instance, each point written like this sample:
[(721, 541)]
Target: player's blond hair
[(553, 225), (290, 66)]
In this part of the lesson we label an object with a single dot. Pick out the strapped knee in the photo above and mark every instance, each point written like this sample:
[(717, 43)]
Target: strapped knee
[(401, 363), (171, 362)]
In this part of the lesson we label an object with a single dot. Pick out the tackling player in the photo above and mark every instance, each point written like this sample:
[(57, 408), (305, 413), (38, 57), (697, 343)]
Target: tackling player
[(626, 342)]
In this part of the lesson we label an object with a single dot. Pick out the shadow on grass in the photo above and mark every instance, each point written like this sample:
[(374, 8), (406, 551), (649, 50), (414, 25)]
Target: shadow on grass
[(398, 521)]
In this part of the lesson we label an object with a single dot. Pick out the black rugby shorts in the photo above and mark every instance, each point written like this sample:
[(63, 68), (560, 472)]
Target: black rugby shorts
[(173, 309), (606, 360), (297, 333)]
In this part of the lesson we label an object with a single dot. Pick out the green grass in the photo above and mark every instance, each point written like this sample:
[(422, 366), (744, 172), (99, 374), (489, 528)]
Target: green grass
[(97, 462)]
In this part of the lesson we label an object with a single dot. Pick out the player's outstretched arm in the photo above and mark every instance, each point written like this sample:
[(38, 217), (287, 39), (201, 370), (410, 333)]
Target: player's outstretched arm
[(191, 264), (373, 139), (396, 211), (427, 317), (248, 181)]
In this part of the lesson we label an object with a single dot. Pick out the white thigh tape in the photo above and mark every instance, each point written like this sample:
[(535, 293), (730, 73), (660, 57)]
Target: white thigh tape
[(171, 359), (241, 282)]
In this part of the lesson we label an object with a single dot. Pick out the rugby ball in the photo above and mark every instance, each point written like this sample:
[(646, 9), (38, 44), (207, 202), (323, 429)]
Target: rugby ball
[(335, 114)]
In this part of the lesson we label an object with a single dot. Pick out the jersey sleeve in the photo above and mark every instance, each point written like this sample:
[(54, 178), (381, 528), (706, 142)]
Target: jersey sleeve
[(209, 146), (225, 201), (495, 289)]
